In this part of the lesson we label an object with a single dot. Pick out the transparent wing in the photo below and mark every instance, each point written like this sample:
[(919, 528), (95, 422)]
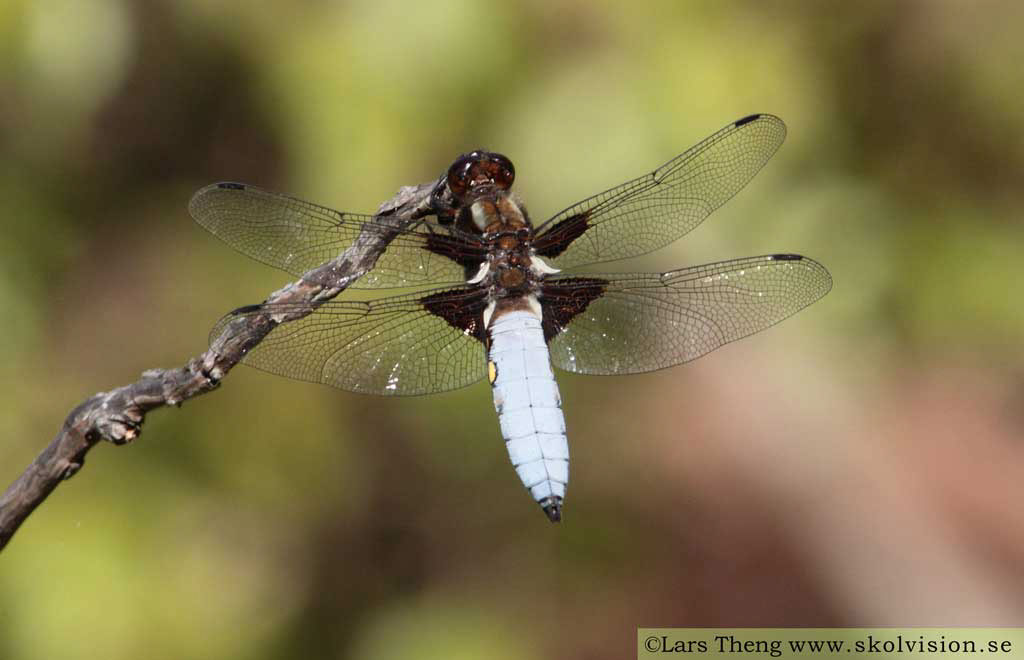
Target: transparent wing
[(631, 323), (296, 236), (403, 345), (653, 210)]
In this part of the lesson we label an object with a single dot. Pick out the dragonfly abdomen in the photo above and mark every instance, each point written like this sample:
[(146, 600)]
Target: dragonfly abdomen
[(529, 407)]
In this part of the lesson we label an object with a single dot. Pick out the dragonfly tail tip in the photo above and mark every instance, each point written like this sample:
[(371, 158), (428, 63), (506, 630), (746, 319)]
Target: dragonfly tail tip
[(553, 508)]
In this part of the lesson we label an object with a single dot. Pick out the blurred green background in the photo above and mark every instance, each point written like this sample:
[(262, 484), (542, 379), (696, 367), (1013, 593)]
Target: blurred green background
[(860, 464)]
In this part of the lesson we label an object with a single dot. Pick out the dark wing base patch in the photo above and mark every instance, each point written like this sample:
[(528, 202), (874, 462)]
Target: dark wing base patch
[(555, 240), (563, 300), (460, 251), (463, 309)]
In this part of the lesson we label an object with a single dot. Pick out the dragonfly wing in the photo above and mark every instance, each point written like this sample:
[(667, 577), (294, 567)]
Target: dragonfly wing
[(632, 323), (297, 236), (403, 345), (657, 208)]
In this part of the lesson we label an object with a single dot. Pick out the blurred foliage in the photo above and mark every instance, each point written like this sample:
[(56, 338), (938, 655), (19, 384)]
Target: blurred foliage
[(836, 470)]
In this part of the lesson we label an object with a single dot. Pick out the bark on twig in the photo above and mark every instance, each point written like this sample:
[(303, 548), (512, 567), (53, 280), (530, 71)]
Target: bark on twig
[(117, 415)]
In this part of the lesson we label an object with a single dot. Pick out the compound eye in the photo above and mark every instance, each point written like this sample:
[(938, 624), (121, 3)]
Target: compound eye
[(502, 171), (460, 172)]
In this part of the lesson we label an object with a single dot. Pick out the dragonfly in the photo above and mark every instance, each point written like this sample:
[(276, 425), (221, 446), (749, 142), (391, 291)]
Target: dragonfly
[(494, 296)]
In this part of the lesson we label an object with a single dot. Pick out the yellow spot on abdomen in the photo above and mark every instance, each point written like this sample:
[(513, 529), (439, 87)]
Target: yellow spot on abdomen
[(492, 371)]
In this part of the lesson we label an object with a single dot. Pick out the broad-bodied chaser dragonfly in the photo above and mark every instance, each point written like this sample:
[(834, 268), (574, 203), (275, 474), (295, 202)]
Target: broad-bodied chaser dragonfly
[(510, 306)]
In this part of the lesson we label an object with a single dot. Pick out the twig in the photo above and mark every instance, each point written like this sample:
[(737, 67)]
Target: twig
[(117, 415)]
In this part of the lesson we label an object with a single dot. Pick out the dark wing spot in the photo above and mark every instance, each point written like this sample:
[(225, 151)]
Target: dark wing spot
[(746, 120), (461, 308), (554, 241), (468, 254), (246, 309), (787, 257), (231, 185), (562, 300)]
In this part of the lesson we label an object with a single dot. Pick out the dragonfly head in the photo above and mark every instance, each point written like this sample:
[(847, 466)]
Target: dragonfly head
[(479, 172)]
